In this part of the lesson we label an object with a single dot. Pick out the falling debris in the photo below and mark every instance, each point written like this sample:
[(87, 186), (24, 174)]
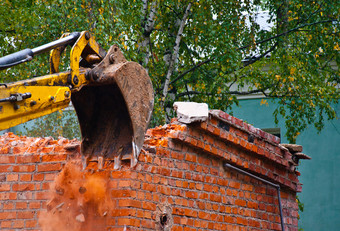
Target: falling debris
[(80, 200), (80, 218)]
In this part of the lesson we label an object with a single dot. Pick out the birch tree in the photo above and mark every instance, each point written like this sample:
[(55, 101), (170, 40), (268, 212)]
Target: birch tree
[(203, 50)]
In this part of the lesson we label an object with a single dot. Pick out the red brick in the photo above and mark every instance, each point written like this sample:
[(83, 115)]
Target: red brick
[(17, 150), (54, 158), (190, 212), (124, 212), (7, 215), (47, 149), (190, 157), (247, 187), (38, 177), (18, 224), (5, 187), (123, 174), (165, 171), (28, 159), (50, 176), (149, 187), (6, 168), (8, 206), (46, 186), (31, 223), (124, 183), (149, 206), (191, 194), (24, 168), (34, 205), (42, 195), (5, 159), (234, 184), (203, 215), (25, 177), (241, 203), (129, 203), (215, 198), (148, 224), (6, 224), (8, 196), (23, 187), (241, 221), (49, 167), (252, 205), (21, 205), (177, 228)]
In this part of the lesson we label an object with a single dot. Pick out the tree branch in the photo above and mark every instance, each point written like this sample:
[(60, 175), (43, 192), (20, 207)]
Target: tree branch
[(229, 92), (287, 32), (240, 48), (8, 31), (260, 56), (190, 70), (211, 59), (175, 52)]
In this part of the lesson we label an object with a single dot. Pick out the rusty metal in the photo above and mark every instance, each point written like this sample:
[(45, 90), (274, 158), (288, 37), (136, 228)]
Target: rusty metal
[(115, 108)]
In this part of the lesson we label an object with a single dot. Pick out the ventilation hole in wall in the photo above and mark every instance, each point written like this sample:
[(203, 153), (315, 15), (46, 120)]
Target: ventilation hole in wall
[(251, 138), (223, 125), (163, 219)]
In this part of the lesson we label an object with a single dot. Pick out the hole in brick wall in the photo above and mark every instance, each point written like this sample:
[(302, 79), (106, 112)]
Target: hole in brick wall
[(223, 125), (251, 138), (163, 219)]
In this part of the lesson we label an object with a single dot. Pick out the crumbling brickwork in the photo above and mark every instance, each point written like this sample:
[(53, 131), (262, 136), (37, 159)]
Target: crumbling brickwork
[(27, 167), (179, 183)]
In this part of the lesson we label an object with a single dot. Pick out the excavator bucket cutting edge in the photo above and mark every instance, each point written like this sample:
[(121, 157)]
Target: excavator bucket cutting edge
[(114, 110)]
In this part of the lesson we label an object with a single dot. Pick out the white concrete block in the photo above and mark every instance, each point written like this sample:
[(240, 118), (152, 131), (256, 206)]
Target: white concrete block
[(188, 112)]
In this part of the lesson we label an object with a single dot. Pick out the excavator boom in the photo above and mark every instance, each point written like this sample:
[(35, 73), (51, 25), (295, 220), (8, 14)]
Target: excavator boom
[(113, 97)]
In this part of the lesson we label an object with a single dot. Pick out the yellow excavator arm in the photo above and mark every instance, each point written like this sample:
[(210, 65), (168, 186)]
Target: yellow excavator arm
[(113, 98), (29, 99)]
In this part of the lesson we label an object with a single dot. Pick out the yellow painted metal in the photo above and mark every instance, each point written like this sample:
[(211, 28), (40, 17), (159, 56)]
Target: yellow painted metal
[(51, 92), (55, 55), (44, 100), (57, 79), (75, 54), (84, 40), (42, 89)]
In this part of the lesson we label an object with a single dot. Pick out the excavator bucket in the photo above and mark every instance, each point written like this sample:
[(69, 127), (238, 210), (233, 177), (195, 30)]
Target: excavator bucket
[(114, 110)]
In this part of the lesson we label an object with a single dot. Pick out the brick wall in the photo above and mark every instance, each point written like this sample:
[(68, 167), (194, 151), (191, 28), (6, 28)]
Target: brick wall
[(179, 183), (27, 167)]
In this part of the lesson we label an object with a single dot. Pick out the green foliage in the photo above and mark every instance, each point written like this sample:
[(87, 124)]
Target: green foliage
[(223, 52), (301, 209), (60, 123)]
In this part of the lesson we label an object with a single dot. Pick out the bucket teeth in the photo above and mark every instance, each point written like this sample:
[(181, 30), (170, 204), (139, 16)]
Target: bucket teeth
[(84, 161), (114, 109), (100, 162)]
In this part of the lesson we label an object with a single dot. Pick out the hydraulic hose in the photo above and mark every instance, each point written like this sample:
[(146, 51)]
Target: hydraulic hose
[(27, 54)]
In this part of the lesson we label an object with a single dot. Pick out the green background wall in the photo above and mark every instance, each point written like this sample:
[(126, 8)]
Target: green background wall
[(320, 176)]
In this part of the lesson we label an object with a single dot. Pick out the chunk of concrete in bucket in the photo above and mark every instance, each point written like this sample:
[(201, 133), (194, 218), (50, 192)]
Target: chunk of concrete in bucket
[(188, 112)]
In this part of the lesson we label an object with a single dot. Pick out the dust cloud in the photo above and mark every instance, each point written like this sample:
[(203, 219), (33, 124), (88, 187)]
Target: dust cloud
[(80, 200)]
